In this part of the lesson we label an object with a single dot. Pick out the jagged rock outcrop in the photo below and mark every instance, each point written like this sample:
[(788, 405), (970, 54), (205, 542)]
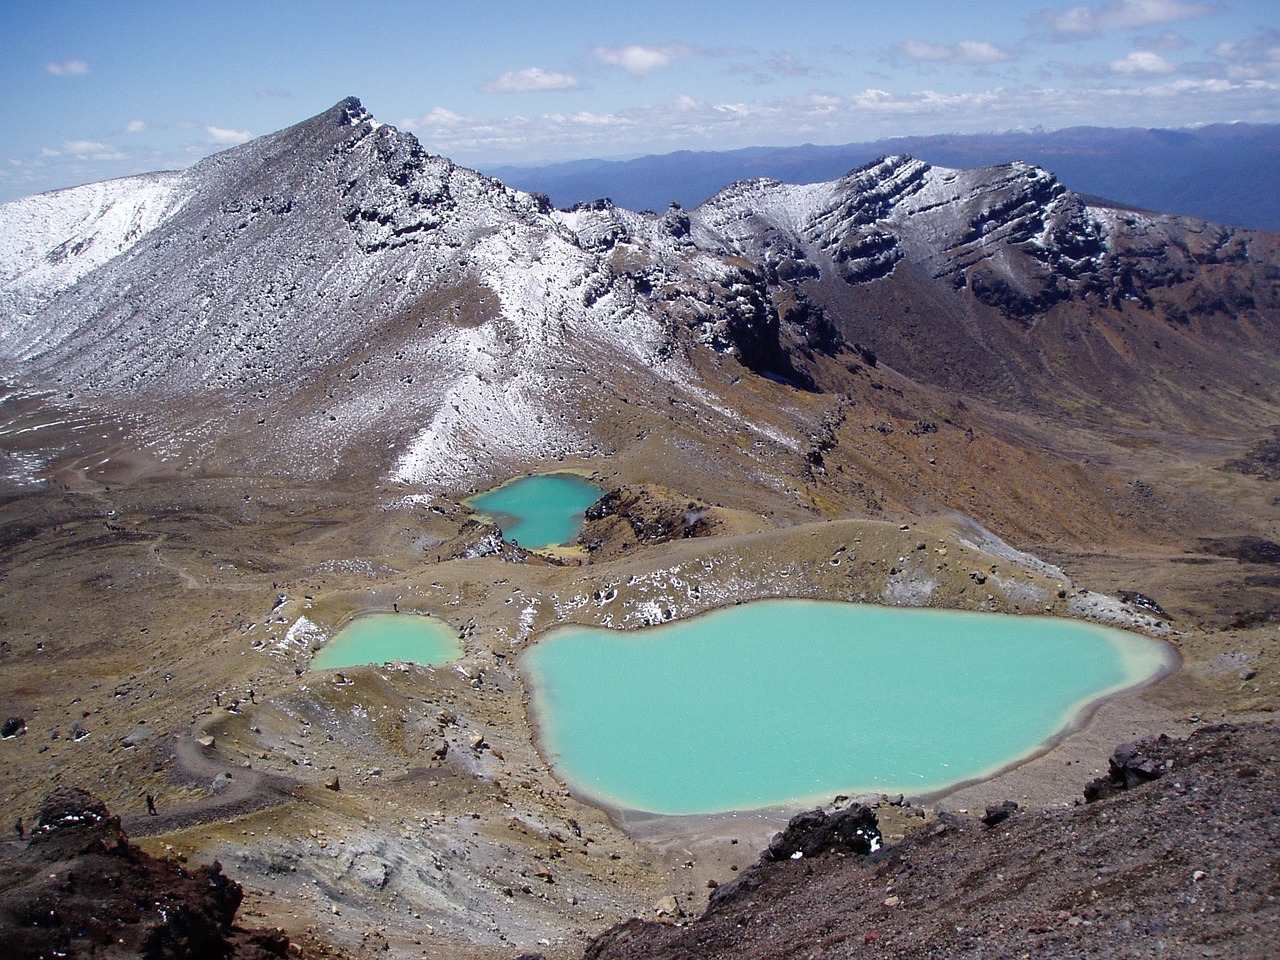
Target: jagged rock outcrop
[(638, 514), (999, 280), (1131, 765), (79, 888), (852, 829), (341, 282), (476, 539)]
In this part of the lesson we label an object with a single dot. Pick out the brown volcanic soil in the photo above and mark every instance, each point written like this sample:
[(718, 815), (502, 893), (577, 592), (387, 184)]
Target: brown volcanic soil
[(1185, 866)]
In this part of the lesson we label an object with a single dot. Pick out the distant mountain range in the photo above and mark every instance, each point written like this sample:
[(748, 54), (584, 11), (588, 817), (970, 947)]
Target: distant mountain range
[(1227, 173)]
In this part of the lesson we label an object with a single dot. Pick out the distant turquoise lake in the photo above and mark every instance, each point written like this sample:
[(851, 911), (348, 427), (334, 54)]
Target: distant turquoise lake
[(785, 701), (540, 511), (379, 638)]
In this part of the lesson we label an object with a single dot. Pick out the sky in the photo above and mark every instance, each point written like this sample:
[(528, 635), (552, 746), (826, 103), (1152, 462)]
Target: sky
[(95, 90)]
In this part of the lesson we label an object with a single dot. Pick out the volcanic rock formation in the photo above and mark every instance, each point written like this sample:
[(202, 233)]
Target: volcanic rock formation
[(79, 888), (369, 299)]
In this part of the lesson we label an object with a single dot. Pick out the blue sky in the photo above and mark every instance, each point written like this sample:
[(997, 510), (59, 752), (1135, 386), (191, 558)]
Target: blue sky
[(95, 90)]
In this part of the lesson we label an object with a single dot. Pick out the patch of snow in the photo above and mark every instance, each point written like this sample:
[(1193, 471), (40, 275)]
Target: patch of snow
[(303, 634), (1099, 606), (50, 240)]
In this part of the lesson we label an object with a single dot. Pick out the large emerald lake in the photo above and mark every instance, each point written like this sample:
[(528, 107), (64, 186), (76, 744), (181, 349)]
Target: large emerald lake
[(539, 511), (379, 638), (786, 701)]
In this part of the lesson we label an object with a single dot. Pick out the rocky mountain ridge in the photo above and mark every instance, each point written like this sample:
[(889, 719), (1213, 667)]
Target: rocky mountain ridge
[(360, 293)]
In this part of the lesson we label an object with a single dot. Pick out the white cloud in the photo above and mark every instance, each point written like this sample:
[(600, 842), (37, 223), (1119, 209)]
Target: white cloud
[(81, 148), (531, 79), (435, 117), (920, 101), (1257, 56), (1213, 85), (67, 68), (588, 119), (1141, 61), (687, 122), (639, 60), (824, 103), (135, 126), (1089, 20), (920, 50), (965, 51), (224, 135), (979, 51), (1168, 40)]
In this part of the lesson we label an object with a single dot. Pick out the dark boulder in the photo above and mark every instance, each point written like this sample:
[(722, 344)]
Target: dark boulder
[(1262, 460), (1245, 549), (851, 830), (999, 812), (1142, 600), (1131, 765), (675, 222)]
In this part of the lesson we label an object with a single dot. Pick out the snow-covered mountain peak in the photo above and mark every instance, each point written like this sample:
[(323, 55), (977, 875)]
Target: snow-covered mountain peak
[(341, 280), (352, 112)]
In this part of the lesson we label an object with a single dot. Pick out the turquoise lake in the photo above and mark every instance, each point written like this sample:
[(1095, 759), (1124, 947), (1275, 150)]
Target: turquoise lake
[(786, 701), (379, 638), (541, 511)]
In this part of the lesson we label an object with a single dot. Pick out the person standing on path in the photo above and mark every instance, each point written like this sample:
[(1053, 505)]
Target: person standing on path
[(151, 805)]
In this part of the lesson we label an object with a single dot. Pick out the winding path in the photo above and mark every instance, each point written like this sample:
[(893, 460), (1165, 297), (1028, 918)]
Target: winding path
[(248, 790)]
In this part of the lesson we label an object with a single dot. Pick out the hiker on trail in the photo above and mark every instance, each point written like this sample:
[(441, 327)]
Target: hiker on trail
[(217, 698), (19, 829), (151, 805), (252, 696)]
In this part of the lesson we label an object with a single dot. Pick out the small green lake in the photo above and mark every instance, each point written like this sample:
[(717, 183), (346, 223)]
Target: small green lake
[(787, 701), (378, 638), (540, 511)]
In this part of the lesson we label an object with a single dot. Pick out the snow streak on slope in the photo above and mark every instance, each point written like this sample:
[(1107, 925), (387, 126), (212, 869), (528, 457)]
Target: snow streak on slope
[(559, 307), (49, 241)]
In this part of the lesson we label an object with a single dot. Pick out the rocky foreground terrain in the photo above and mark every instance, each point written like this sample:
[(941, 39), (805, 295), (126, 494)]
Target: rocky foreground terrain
[(244, 402), (1174, 855), (77, 887)]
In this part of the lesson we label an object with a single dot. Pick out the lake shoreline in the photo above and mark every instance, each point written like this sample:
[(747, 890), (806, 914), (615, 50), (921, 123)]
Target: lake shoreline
[(662, 829), (543, 527)]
